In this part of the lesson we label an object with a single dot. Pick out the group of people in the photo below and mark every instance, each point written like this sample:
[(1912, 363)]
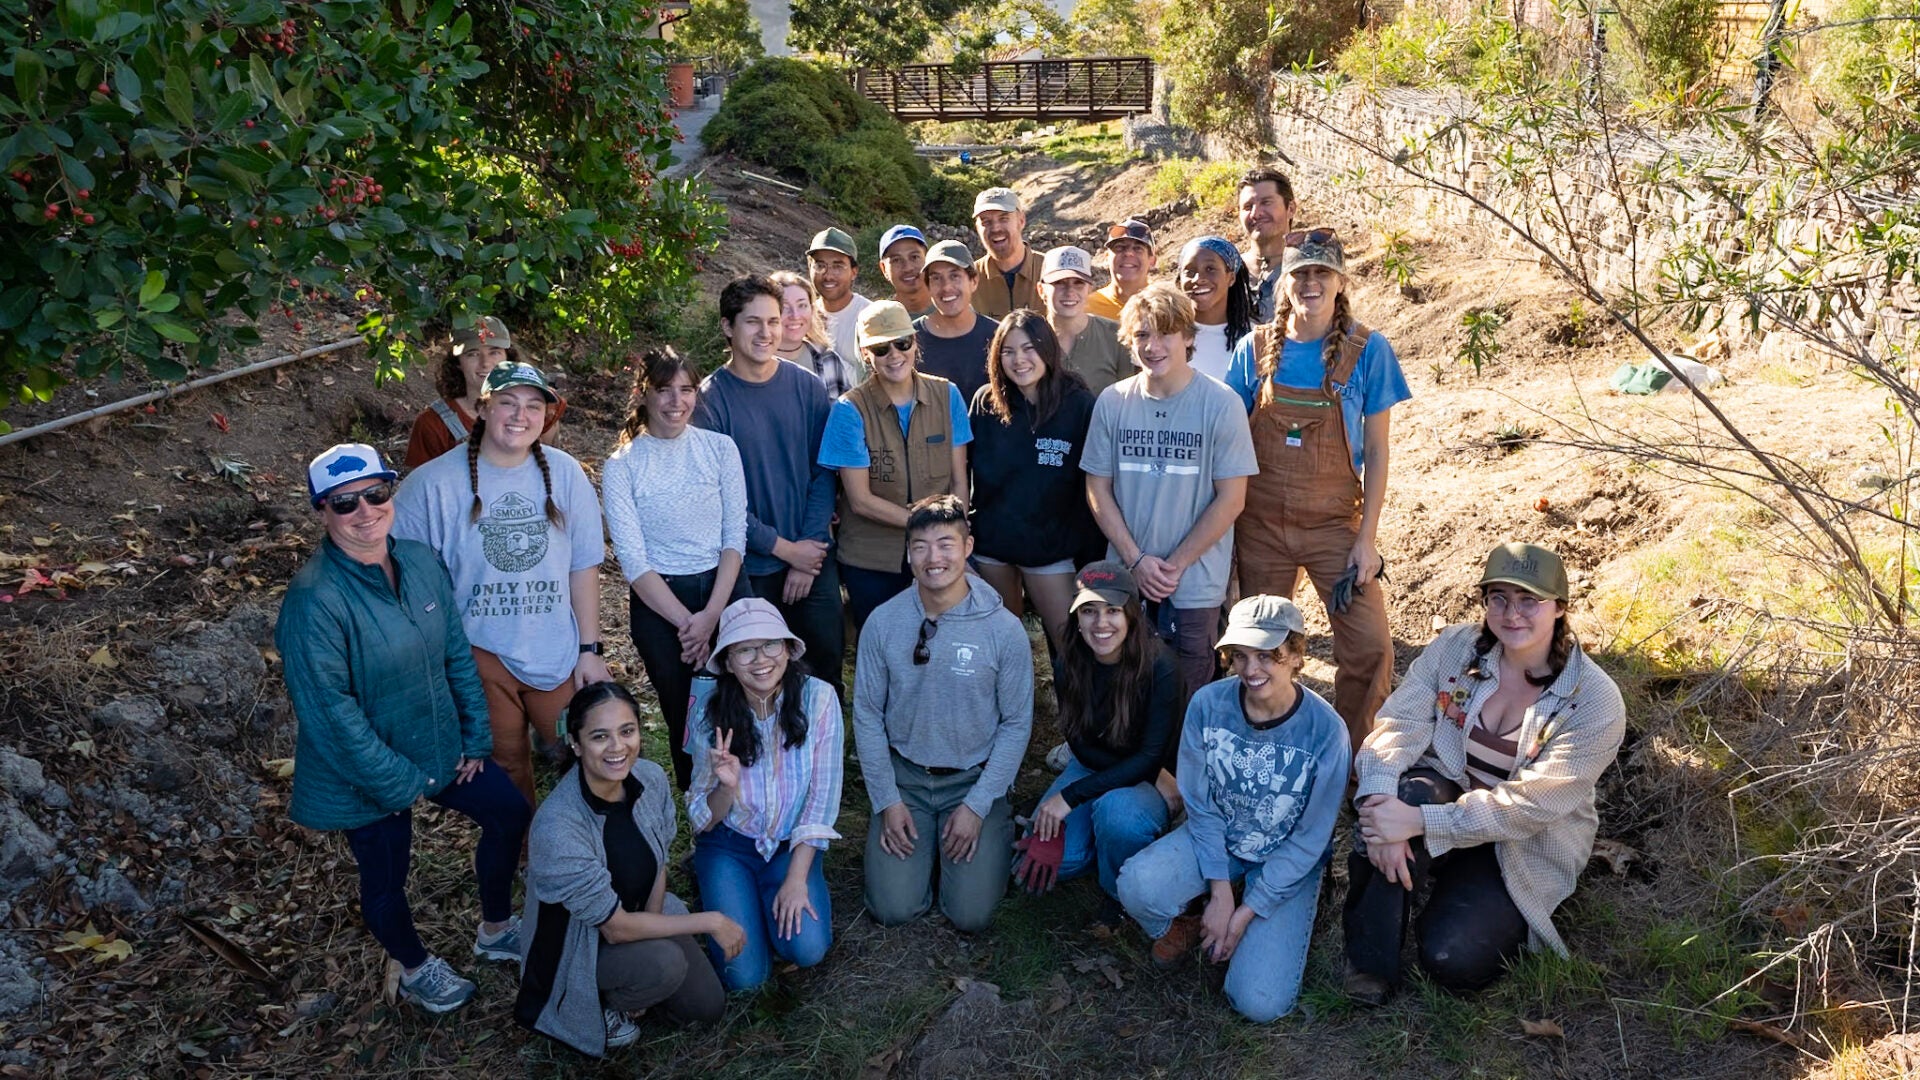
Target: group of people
[(916, 472)]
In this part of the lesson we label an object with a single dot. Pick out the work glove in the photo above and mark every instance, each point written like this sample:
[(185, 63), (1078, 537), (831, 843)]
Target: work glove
[(1039, 866), (1341, 598)]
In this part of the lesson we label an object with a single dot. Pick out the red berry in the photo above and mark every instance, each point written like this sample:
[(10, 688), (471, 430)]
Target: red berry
[(85, 193), (88, 219), (103, 88), (52, 212), (277, 221), (253, 223), (265, 145), (249, 123)]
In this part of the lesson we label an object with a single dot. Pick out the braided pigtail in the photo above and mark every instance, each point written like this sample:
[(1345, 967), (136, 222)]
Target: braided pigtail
[(473, 464), (546, 481), (1336, 334)]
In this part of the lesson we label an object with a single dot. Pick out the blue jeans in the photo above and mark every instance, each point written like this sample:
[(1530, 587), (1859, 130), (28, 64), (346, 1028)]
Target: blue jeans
[(1263, 976), (1108, 830), (735, 881), (384, 852)]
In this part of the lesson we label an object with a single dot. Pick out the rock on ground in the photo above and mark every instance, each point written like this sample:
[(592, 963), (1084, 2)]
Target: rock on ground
[(141, 713), (109, 888), (26, 851), (19, 990), (218, 671), (21, 775)]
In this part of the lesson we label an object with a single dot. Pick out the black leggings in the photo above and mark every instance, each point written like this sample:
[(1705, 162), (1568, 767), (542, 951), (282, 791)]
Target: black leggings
[(658, 644), (1469, 929)]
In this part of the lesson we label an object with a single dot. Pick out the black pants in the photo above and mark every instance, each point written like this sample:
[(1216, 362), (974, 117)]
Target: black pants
[(658, 644), (1469, 928), (815, 619)]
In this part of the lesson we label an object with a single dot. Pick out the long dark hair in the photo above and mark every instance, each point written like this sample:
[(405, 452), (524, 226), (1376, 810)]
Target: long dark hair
[(1132, 677), (653, 370), (1053, 386), (1558, 651), (728, 710)]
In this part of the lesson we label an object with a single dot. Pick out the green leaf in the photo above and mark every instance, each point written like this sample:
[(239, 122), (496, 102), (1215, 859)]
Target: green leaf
[(155, 284), (233, 110), (173, 331), (77, 174), (461, 29), (107, 318), (126, 82), (437, 15), (29, 78), (118, 25), (165, 302), (177, 92), (16, 304)]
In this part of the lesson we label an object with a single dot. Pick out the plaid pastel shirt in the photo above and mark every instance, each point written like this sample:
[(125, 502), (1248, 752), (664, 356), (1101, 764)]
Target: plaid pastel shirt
[(788, 793), (838, 373)]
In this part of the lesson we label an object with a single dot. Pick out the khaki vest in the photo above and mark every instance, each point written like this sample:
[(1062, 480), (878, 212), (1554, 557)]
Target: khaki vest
[(902, 469)]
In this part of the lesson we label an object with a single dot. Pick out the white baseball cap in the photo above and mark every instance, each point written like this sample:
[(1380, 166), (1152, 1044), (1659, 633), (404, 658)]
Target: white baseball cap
[(343, 464), (1066, 262)]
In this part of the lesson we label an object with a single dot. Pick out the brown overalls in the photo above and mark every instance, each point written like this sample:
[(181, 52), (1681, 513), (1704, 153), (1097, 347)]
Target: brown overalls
[(1303, 512)]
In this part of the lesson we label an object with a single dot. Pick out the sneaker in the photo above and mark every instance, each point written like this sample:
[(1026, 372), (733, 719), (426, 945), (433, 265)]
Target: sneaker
[(435, 987), (1058, 757), (1365, 989), (620, 1030), (1172, 948), (504, 945)]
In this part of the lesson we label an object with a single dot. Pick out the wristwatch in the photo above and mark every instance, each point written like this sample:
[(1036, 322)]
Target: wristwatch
[(593, 647)]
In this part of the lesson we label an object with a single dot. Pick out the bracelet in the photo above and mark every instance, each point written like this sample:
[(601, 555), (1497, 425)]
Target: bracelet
[(1137, 562)]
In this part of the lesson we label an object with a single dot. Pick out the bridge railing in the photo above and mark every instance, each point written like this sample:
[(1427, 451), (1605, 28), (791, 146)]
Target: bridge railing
[(1079, 88)]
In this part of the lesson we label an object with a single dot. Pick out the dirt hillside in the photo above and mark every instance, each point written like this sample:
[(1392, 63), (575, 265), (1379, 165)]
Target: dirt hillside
[(146, 737)]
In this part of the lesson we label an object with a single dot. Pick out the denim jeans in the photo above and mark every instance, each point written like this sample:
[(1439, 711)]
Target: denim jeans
[(384, 851), (815, 619), (735, 881), (1263, 975), (1108, 830)]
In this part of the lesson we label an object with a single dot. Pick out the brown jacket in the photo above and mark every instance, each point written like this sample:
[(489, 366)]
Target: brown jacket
[(993, 299), (902, 469)]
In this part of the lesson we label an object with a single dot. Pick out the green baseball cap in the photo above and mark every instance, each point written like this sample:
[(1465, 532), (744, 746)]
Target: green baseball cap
[(951, 252), (509, 373), (834, 240), (1529, 566)]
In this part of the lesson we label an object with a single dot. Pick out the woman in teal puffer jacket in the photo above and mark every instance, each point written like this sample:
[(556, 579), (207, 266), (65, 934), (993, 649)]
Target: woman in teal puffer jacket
[(391, 713)]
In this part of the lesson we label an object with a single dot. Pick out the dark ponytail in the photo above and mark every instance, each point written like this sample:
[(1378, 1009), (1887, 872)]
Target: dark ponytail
[(653, 371)]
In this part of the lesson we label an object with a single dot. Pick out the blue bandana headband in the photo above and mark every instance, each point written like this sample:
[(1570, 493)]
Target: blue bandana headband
[(1220, 246)]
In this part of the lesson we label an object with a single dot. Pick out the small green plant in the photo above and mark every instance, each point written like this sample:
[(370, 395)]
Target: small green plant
[(1399, 259), (1216, 186), (1678, 39), (1172, 181), (1482, 346)]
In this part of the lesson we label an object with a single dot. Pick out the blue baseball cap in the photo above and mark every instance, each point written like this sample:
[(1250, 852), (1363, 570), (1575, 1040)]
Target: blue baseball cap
[(898, 233), (343, 464)]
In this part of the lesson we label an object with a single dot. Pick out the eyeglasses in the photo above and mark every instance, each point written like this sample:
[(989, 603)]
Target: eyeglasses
[(1526, 604), (901, 345), (346, 502), (922, 654), (744, 652), (1311, 236)]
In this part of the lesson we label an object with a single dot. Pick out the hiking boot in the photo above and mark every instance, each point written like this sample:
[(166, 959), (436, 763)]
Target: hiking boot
[(435, 988), (504, 945), (1172, 948), (1364, 988), (621, 1031)]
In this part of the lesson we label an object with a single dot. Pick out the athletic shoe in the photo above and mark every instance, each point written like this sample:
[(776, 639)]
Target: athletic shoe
[(1058, 757), (435, 987), (620, 1030), (1364, 988), (1172, 948), (504, 945)]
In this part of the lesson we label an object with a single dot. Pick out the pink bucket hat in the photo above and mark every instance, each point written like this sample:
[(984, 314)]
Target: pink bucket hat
[(752, 619)]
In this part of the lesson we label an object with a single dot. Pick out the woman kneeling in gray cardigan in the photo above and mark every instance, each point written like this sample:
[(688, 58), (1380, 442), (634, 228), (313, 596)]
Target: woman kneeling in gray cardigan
[(605, 938)]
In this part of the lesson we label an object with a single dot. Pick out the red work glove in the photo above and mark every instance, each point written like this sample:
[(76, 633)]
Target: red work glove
[(1039, 867)]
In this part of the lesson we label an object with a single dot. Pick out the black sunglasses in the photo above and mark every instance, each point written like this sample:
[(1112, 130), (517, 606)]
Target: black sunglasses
[(346, 502), (922, 654), (1310, 236), (897, 345)]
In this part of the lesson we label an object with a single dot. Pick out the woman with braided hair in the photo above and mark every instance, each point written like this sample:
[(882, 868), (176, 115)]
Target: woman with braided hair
[(518, 527), (676, 501), (1319, 388), (1214, 276)]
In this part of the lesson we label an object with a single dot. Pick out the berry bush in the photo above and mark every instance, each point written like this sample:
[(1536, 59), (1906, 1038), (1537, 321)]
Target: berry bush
[(173, 170)]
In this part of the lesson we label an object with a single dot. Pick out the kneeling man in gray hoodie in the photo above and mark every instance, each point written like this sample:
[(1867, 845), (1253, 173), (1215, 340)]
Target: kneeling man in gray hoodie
[(942, 706)]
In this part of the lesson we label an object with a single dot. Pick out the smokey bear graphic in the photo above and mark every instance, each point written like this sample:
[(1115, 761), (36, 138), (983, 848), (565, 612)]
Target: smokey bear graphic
[(514, 534)]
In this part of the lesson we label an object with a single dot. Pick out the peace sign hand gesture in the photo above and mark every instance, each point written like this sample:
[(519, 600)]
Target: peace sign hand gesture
[(726, 767)]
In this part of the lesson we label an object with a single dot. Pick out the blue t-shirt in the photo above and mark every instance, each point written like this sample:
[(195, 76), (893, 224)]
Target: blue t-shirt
[(845, 444), (1377, 385)]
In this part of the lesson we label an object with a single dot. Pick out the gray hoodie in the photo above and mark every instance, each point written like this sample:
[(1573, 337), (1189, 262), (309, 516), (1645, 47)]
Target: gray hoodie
[(972, 702)]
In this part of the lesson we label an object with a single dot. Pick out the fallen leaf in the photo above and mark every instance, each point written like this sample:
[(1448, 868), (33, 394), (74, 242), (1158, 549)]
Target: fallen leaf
[(225, 947), (43, 541), (92, 941), (83, 747), (1545, 1029), (1765, 1031), (219, 420), (103, 658), (279, 767)]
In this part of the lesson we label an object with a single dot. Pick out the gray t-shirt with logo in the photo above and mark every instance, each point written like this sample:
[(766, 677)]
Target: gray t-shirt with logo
[(510, 569), (1164, 455)]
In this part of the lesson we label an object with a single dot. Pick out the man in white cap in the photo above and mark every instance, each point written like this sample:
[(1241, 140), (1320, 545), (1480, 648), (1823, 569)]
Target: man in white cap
[(832, 265), (1090, 343), (954, 338), (1132, 261), (903, 249), (1012, 273)]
